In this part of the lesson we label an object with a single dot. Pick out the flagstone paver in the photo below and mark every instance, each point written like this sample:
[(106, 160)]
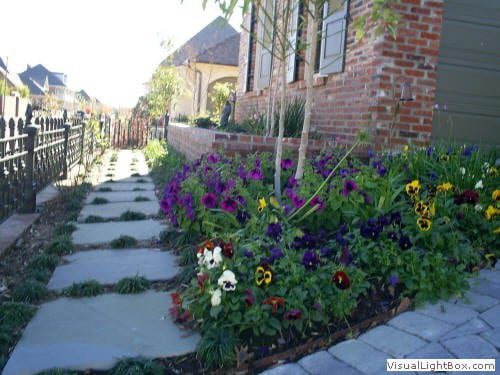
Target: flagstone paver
[(102, 233), (121, 196), (117, 186), (459, 328), (95, 333), (114, 210), (110, 266)]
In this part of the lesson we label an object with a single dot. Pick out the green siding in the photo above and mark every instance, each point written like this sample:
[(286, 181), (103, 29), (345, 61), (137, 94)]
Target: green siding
[(468, 79)]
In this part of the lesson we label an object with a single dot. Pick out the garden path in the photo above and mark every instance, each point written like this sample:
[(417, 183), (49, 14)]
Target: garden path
[(457, 328), (96, 332)]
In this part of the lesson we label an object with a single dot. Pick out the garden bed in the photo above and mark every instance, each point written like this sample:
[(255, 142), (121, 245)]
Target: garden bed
[(267, 276)]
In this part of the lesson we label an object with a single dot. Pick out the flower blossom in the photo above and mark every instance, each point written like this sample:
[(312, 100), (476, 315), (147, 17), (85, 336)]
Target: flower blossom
[(228, 281)]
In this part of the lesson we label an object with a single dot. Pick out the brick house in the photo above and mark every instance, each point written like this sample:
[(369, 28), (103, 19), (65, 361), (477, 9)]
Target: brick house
[(447, 50)]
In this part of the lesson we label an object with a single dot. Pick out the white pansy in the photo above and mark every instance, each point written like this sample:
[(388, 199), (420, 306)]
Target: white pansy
[(216, 297), (479, 185), (210, 258), (478, 207), (217, 254), (228, 281), (462, 170)]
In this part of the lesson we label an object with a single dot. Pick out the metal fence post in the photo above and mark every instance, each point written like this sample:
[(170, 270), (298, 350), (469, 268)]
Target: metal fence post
[(82, 148), (29, 205), (165, 126), (67, 128)]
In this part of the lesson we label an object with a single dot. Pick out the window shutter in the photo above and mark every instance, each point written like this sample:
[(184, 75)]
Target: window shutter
[(333, 38), (292, 40), (265, 38), (251, 31)]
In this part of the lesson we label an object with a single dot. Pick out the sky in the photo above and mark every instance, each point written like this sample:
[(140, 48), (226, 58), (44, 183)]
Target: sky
[(109, 48)]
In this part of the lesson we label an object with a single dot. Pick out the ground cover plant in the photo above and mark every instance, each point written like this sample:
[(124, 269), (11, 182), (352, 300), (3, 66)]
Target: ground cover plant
[(87, 288), (346, 236)]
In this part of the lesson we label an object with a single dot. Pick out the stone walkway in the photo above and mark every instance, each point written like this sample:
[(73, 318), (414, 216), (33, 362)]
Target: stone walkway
[(96, 332), (465, 328)]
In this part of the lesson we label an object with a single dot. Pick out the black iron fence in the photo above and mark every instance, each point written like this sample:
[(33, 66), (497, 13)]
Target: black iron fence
[(32, 156)]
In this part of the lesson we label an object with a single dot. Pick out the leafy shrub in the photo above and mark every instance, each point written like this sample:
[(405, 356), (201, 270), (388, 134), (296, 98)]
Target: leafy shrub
[(217, 348), (61, 245), (137, 366), (123, 242), (162, 161), (30, 291), (294, 118), (184, 119), (132, 285), (99, 200), (141, 199), (205, 122), (132, 215), (94, 219), (87, 288), (220, 95)]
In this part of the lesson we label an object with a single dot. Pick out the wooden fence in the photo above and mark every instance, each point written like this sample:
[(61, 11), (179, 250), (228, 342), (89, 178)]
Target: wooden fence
[(32, 156)]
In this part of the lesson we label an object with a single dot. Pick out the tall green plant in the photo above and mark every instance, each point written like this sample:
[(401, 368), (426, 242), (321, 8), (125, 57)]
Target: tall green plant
[(220, 95), (165, 86)]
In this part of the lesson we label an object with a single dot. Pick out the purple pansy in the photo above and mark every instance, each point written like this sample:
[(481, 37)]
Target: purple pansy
[(286, 164), (310, 260), (209, 200), (274, 230), (229, 205), (349, 186), (256, 174)]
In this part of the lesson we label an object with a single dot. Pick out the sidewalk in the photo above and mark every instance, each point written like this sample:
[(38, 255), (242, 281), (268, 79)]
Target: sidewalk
[(465, 328)]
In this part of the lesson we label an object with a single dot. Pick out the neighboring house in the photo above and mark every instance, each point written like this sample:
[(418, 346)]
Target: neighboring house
[(12, 104), (55, 82), (209, 57), (11, 80), (448, 51)]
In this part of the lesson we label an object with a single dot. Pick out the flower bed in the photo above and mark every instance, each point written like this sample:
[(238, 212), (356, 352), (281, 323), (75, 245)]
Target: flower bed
[(269, 274)]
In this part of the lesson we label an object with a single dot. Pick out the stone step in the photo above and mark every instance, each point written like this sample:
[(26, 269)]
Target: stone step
[(95, 333), (102, 233), (114, 210), (110, 266), (115, 186), (121, 196)]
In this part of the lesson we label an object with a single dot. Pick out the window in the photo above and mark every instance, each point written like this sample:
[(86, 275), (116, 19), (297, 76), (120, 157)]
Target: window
[(293, 35), (264, 44), (333, 36)]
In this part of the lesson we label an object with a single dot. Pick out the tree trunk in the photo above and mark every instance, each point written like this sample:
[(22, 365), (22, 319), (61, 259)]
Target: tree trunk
[(312, 39)]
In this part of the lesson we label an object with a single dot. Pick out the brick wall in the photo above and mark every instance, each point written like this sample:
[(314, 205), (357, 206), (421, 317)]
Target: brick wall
[(362, 96), (194, 142)]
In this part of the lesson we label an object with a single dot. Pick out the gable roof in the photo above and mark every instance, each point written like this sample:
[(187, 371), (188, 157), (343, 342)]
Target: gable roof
[(2, 64), (12, 78), (38, 73), (84, 95), (224, 53), (34, 87), (210, 36)]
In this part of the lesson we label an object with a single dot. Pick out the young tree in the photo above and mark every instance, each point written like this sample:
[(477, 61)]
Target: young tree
[(164, 87)]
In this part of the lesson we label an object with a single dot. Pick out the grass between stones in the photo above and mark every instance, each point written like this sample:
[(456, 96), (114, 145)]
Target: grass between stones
[(110, 181), (141, 181), (137, 366), (135, 175), (94, 219), (216, 348), (58, 371), (123, 242), (99, 200), (139, 189), (104, 189), (132, 285), (141, 199), (132, 215), (41, 267), (89, 288), (67, 228), (61, 245)]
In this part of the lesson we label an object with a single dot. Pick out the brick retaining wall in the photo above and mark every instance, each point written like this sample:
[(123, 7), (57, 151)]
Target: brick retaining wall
[(194, 142)]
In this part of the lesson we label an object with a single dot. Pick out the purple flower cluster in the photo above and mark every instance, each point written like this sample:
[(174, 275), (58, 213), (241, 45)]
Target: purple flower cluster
[(310, 260), (297, 200), (274, 230)]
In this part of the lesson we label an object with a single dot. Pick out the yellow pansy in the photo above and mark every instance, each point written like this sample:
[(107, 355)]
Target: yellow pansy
[(262, 204), (424, 224), (444, 187), (263, 275), (496, 195), (445, 157), (422, 209), (491, 212), (412, 188)]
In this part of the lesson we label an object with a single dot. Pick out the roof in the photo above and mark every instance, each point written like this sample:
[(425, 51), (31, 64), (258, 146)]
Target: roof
[(38, 73), (12, 78), (210, 36), (84, 95), (34, 87), (224, 53)]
